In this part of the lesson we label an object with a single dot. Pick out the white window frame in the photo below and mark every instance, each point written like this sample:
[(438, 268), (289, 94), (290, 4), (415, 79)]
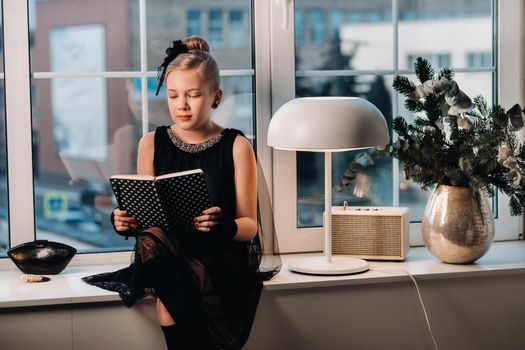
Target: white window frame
[(275, 72), (22, 225), (292, 239)]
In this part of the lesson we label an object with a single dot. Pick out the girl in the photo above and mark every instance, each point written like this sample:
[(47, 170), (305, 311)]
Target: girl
[(206, 279)]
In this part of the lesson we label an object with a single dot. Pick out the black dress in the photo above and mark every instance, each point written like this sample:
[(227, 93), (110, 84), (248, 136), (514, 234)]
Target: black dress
[(209, 285)]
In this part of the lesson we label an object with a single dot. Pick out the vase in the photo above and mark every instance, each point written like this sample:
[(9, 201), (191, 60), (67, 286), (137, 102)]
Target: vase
[(458, 225)]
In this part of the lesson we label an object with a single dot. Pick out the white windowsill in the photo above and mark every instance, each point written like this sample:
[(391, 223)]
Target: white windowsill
[(66, 288)]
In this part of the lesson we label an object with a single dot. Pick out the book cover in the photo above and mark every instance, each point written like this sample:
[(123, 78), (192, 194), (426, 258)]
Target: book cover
[(166, 201)]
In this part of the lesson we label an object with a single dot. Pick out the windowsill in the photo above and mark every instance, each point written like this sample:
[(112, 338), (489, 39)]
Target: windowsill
[(502, 258), (66, 288)]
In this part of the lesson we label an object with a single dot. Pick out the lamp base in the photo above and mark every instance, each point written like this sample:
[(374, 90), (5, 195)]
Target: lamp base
[(340, 265)]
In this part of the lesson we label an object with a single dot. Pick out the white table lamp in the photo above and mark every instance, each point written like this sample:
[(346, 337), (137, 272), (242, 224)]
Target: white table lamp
[(328, 124)]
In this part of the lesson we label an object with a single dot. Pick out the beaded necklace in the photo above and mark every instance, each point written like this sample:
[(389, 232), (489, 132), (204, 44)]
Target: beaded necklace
[(193, 147)]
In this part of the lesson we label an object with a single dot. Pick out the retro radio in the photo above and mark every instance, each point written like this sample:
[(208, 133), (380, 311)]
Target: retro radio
[(374, 233)]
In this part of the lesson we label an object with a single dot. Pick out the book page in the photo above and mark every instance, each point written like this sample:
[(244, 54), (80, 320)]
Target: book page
[(180, 173), (133, 177)]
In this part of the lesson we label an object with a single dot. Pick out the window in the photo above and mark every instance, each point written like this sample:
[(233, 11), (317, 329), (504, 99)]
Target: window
[(437, 60), (120, 82), (479, 59), (194, 22), (356, 16), (236, 29), (317, 23), (300, 27), (378, 41), (215, 27), (4, 209), (93, 93), (336, 21)]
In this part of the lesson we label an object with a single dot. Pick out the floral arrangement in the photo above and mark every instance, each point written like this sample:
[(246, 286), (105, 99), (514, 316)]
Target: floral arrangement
[(456, 141)]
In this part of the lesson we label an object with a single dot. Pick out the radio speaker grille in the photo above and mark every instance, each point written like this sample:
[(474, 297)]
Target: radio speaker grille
[(367, 235)]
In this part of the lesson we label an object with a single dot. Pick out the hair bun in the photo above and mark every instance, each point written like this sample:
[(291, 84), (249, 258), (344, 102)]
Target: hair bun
[(196, 43)]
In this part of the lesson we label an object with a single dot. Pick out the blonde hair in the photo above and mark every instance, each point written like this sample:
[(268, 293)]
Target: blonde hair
[(198, 57)]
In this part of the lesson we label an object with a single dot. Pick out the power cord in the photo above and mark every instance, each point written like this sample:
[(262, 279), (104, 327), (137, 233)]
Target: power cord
[(380, 269)]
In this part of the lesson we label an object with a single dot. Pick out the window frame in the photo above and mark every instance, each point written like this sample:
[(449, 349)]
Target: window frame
[(274, 71), (22, 222), (507, 47)]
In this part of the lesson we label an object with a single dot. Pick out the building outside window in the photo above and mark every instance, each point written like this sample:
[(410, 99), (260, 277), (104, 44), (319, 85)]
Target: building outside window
[(479, 59), (336, 21), (194, 22), (317, 29), (300, 27), (236, 27), (215, 27), (438, 60)]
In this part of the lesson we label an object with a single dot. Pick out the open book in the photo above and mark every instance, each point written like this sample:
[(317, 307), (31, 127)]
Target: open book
[(166, 201)]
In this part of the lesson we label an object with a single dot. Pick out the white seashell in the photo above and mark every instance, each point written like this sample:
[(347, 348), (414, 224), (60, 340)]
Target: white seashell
[(34, 278)]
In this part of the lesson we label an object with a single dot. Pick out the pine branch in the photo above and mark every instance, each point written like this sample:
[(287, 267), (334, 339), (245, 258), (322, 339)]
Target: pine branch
[(499, 117), (414, 106), (515, 206), (446, 73), (432, 108), (481, 104), (400, 126), (460, 157), (424, 70), (404, 86)]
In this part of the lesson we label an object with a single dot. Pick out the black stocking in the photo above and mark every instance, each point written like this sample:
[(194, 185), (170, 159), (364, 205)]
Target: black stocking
[(177, 282), (175, 339)]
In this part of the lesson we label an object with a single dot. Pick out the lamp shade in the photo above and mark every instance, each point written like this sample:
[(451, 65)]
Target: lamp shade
[(333, 124)]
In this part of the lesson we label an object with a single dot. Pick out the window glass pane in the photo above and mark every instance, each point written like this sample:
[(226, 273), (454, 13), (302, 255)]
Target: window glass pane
[(444, 32), (473, 84), (215, 27), (194, 22), (84, 131), (4, 217), (299, 27), (344, 35), (225, 27), (77, 32), (336, 21), (87, 128), (236, 29), (317, 27), (479, 59), (370, 170), (234, 111)]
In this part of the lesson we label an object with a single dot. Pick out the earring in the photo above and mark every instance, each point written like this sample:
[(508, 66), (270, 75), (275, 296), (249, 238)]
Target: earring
[(215, 104)]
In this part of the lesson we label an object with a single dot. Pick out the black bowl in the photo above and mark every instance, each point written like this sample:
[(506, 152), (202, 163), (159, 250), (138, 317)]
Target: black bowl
[(41, 257)]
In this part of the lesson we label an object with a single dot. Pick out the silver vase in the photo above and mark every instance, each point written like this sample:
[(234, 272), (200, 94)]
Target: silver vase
[(458, 226)]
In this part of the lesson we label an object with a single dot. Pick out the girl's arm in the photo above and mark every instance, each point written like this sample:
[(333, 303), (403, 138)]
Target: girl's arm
[(145, 154), (245, 188)]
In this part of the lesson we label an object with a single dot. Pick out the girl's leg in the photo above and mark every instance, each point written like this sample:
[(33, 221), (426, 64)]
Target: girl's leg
[(164, 316), (175, 340), (177, 282)]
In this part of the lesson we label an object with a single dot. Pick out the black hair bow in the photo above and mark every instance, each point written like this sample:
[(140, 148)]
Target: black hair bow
[(171, 52)]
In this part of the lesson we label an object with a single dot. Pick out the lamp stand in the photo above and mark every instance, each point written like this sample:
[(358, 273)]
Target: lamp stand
[(328, 265)]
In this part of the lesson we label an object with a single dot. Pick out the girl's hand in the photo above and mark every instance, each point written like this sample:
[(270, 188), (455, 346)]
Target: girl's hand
[(123, 222), (209, 218)]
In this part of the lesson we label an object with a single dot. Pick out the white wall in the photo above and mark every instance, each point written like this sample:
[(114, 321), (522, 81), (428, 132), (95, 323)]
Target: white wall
[(466, 313)]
